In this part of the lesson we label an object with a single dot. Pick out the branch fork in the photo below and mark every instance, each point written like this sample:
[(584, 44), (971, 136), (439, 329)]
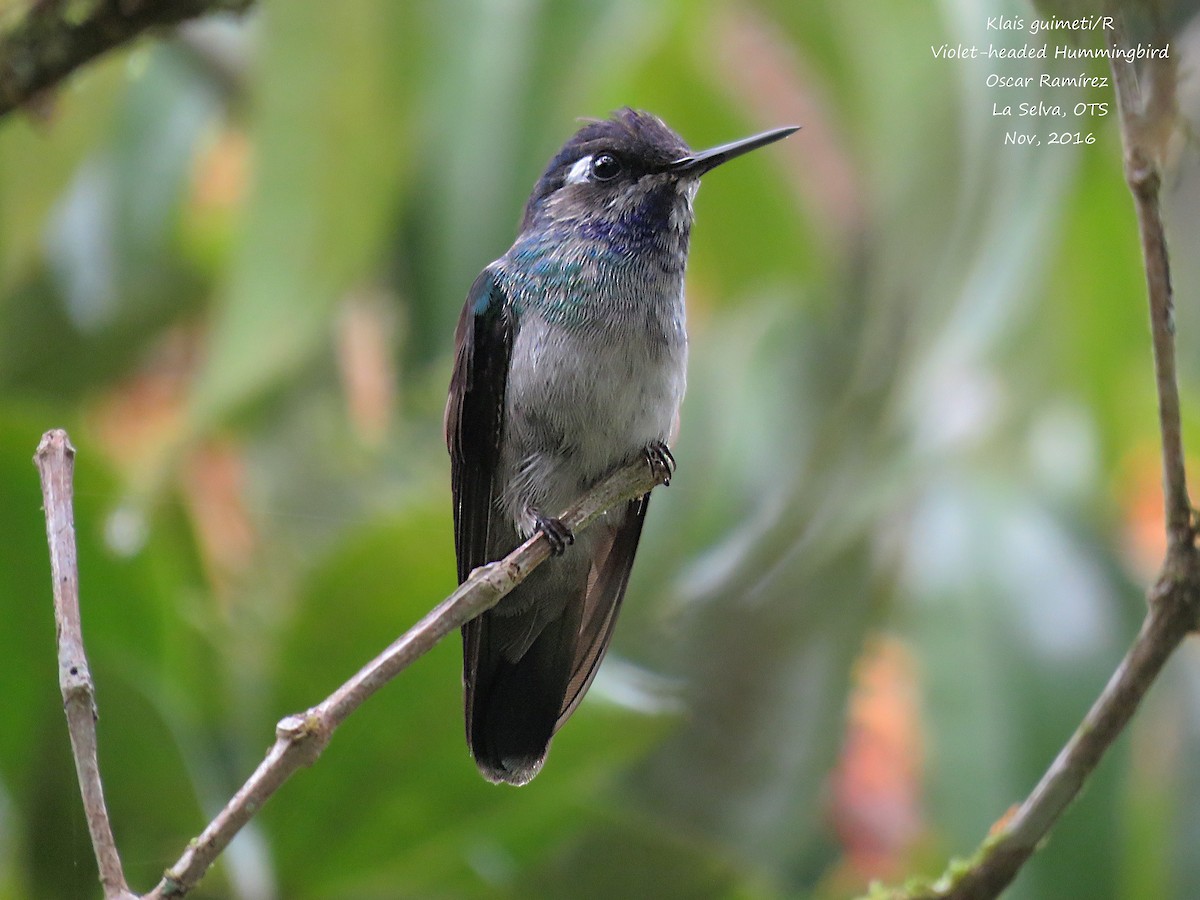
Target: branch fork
[(1147, 114)]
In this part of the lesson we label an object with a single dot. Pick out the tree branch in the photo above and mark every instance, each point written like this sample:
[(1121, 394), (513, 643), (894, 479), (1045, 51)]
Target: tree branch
[(55, 460), (1173, 608), (299, 739), (1148, 119), (1147, 114), (52, 39)]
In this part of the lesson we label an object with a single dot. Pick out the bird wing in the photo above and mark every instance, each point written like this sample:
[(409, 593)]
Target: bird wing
[(474, 424), (475, 416), (601, 605)]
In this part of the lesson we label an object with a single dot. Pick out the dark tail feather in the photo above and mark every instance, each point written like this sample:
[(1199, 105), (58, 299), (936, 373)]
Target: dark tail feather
[(515, 706)]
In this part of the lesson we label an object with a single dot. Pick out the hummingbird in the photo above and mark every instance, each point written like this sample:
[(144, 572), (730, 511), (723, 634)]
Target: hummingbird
[(570, 361)]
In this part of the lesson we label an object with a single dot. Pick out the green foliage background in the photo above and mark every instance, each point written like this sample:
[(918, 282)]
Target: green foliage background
[(920, 411)]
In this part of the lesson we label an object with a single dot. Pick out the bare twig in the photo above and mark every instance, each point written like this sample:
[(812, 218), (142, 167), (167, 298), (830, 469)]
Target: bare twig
[(50, 40), (1172, 615), (55, 460), (1147, 115), (299, 739)]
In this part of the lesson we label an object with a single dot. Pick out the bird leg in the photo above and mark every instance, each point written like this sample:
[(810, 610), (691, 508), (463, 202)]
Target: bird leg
[(660, 460), (557, 534)]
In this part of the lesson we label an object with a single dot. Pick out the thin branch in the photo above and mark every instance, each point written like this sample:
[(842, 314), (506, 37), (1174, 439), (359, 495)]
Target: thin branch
[(1147, 117), (1148, 114), (996, 863), (299, 739), (50, 40), (55, 460)]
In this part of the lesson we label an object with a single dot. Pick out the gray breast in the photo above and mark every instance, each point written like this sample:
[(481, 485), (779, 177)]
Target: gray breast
[(589, 389)]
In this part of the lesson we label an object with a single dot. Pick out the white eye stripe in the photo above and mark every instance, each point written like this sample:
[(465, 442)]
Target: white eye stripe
[(580, 172)]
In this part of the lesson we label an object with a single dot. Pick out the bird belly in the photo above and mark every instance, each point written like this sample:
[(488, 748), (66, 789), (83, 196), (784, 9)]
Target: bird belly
[(582, 401)]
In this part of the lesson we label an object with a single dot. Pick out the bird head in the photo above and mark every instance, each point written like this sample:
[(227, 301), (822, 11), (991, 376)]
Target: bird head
[(631, 169)]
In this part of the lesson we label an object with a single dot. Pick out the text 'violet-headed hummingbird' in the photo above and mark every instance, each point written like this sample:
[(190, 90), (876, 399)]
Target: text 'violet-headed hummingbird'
[(570, 361)]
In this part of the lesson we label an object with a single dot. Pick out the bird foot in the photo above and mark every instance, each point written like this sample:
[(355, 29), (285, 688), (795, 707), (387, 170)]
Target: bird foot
[(660, 460), (557, 534)]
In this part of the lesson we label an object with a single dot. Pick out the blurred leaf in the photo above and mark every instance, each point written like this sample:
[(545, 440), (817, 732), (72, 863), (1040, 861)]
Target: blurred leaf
[(991, 635), (111, 279), (653, 862), (327, 160), (37, 161)]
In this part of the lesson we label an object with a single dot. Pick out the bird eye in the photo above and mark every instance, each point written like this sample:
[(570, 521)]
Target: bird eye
[(605, 167)]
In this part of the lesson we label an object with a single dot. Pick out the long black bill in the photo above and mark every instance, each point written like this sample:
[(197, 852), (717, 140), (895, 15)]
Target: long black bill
[(696, 164)]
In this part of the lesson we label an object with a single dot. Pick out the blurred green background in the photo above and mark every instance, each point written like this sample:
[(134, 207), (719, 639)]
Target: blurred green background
[(917, 499)]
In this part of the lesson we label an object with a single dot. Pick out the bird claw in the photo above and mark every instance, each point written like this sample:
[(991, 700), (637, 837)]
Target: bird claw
[(660, 460), (558, 535)]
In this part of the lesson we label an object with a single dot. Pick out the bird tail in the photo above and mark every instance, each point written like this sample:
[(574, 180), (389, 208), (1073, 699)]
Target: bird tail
[(528, 661), (513, 706)]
